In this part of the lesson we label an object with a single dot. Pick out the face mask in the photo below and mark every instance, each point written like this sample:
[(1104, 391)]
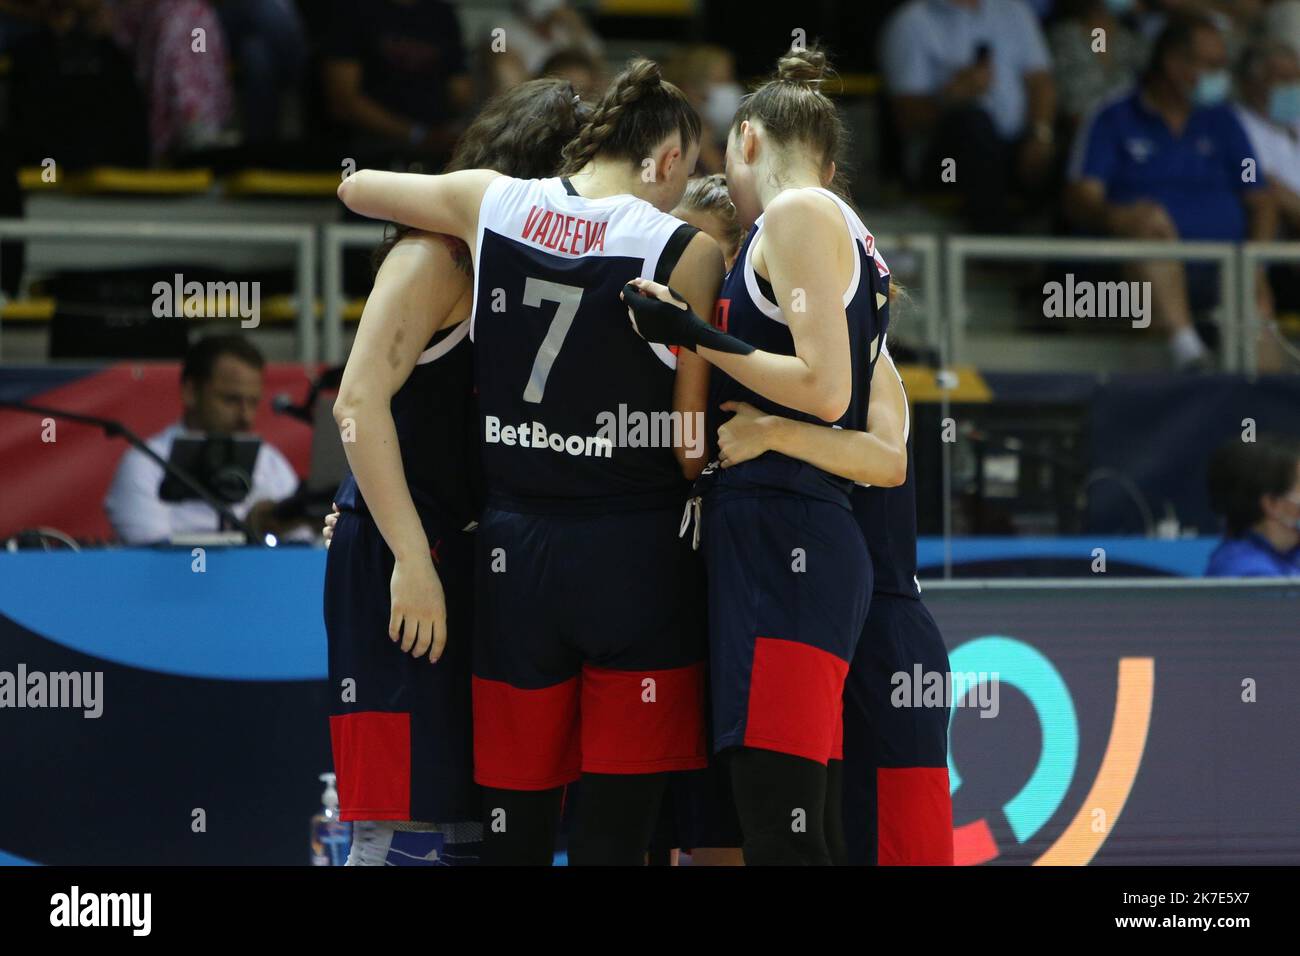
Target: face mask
[(1120, 7), (720, 105), (1213, 88), (1294, 501), (1284, 104)]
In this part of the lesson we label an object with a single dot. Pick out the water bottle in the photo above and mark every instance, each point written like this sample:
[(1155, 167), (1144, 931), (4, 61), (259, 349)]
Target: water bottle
[(331, 838)]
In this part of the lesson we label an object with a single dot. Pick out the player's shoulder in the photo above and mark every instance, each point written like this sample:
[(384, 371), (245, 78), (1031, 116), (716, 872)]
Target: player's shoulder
[(802, 218), (793, 207)]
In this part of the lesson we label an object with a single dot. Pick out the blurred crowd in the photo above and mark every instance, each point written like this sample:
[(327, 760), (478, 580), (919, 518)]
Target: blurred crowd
[(1137, 119), (1151, 119), (162, 82)]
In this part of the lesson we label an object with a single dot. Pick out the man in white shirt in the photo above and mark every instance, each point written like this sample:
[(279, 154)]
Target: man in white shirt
[(221, 388), (1268, 106), (971, 88)]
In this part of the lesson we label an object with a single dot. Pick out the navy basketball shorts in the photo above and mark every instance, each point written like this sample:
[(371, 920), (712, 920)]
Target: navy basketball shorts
[(789, 585), (590, 648), (399, 725), (897, 805)]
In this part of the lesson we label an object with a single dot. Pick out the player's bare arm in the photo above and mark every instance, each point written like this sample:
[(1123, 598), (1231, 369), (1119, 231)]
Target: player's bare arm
[(698, 275), (420, 288), (877, 456), (446, 204)]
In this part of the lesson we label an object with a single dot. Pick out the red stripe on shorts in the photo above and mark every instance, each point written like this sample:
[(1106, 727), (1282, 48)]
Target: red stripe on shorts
[(914, 817), (525, 739), (372, 760), (796, 700), (643, 721)]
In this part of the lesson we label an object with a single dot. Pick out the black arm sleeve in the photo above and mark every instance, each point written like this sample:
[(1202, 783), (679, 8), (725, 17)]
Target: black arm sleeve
[(665, 323)]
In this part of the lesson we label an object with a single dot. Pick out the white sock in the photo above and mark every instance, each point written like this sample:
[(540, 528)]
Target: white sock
[(1187, 346)]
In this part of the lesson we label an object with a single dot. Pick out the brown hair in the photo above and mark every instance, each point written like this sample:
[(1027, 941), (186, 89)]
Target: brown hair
[(201, 357), (521, 133), (1178, 36), (1240, 473), (793, 109), (637, 112), (709, 194)]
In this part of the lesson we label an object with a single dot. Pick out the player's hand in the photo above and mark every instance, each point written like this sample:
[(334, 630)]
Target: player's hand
[(746, 435), (331, 520), (656, 325), (656, 290), (658, 314), (419, 609)]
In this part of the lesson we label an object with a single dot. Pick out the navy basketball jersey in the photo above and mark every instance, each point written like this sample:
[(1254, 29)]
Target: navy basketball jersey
[(748, 310), (437, 435), (573, 404), (887, 516)]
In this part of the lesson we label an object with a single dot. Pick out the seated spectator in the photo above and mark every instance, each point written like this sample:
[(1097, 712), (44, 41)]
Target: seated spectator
[(186, 80), (707, 75), (1236, 20), (221, 389), (1085, 76), (535, 31), (1169, 162), (971, 81), (1268, 105), (269, 49), (396, 77), (583, 71), (1256, 487)]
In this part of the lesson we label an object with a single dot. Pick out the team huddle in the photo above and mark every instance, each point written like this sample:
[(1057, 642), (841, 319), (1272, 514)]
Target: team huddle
[(670, 643)]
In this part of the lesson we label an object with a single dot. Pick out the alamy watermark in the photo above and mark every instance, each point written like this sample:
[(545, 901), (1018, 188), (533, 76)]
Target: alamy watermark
[(1073, 299), (70, 690), (922, 688), (208, 300)]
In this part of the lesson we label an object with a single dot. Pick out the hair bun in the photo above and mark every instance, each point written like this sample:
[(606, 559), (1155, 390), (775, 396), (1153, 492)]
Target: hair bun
[(641, 78), (802, 66)]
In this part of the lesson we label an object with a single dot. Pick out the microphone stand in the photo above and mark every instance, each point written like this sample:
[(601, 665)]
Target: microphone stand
[(115, 429)]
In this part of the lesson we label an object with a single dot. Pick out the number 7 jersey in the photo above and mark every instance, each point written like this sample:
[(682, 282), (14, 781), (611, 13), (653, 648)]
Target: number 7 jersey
[(574, 407)]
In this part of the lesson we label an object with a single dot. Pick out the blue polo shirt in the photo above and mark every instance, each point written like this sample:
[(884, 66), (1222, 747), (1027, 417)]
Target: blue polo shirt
[(1196, 176), (1251, 556)]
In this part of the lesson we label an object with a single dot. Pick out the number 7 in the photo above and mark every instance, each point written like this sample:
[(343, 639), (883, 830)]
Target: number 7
[(567, 298)]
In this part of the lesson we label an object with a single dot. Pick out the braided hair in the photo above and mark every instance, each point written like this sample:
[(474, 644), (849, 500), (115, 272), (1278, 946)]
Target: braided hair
[(638, 111)]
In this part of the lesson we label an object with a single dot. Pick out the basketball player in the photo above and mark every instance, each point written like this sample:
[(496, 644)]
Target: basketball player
[(788, 571), (589, 639), (897, 804), (400, 566)]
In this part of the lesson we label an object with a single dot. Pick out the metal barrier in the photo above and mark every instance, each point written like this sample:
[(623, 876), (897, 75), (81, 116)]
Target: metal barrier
[(931, 301), (1254, 255), (336, 238), (963, 248), (301, 237), (942, 305)]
